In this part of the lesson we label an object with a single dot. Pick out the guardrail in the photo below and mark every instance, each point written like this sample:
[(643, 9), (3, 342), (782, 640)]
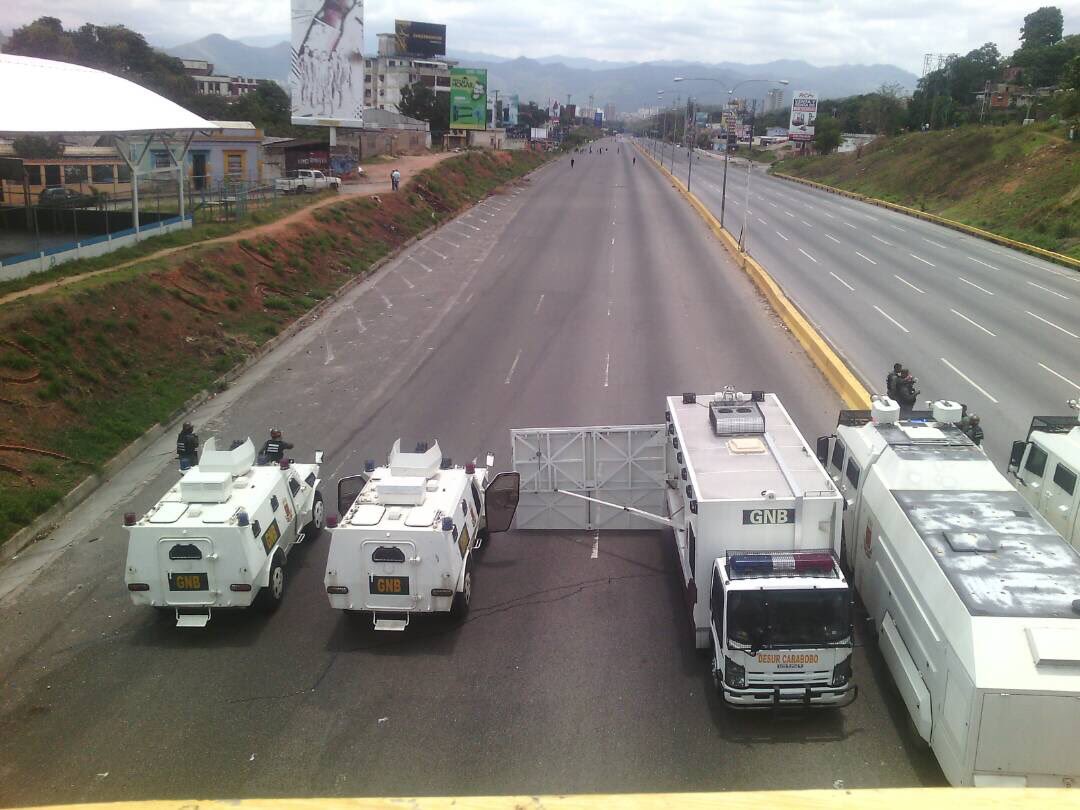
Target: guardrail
[(990, 236)]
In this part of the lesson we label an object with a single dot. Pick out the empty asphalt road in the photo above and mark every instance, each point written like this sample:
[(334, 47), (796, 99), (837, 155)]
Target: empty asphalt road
[(581, 296), (976, 322)]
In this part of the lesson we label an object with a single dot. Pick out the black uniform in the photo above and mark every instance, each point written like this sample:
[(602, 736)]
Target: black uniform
[(891, 382), (907, 394), (974, 432), (274, 449), (187, 447)]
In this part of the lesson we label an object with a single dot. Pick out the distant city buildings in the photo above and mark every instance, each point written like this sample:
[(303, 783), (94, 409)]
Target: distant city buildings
[(392, 70), (774, 100), (209, 84)]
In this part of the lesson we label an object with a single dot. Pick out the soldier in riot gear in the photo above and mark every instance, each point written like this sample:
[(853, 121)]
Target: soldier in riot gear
[(892, 380), (187, 446), (974, 430), (907, 395), (273, 451)]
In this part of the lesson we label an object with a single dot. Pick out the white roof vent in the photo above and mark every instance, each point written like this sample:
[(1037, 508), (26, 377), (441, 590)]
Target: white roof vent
[(424, 463), (884, 411), (235, 462), (1058, 646), (198, 486), (401, 491), (947, 411)]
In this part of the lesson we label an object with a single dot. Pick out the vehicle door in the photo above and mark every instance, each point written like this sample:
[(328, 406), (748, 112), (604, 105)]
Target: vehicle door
[(1030, 472), (348, 490), (716, 613), (500, 501), (1059, 499), (186, 566)]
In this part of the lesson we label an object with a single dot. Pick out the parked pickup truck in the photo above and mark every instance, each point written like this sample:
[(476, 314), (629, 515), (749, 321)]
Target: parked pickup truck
[(306, 181)]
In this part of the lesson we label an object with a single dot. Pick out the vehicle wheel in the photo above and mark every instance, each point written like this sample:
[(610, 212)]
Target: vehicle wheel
[(269, 598), (716, 677), (318, 519), (460, 606)]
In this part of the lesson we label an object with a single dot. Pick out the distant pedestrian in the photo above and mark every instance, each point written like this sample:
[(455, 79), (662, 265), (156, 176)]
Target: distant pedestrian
[(571, 163), (634, 161), (395, 179)]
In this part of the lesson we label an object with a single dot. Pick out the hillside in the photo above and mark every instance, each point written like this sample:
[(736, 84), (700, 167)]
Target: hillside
[(234, 58), (1021, 182)]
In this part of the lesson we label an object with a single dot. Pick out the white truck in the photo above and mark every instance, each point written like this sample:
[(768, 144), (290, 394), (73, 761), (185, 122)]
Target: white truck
[(408, 533), (305, 181), (973, 597), (221, 536), (1045, 467), (756, 524)]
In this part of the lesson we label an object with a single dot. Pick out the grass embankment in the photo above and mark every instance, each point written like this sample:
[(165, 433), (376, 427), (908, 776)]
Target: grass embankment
[(1020, 182), (86, 369), (201, 230)]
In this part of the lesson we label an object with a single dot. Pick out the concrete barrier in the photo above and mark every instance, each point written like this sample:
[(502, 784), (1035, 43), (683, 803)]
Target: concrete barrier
[(971, 230), (842, 379)]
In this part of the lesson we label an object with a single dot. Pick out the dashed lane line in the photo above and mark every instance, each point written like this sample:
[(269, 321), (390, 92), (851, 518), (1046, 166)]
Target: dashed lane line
[(976, 286), (807, 255), (1051, 323), (831, 273), (905, 281), (973, 323), (510, 374), (891, 318), (867, 258), (970, 381), (1060, 376), (1052, 292)]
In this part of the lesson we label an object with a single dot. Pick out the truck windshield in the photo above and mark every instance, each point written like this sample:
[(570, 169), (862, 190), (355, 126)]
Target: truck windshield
[(774, 619)]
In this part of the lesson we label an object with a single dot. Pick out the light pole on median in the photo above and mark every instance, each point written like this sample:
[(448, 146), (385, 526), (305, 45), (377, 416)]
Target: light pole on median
[(727, 149)]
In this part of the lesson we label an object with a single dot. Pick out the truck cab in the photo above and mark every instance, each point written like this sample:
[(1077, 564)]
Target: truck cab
[(408, 534), (1045, 467), (781, 626)]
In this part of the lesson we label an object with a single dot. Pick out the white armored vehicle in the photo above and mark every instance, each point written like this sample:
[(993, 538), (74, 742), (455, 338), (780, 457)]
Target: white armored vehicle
[(221, 536), (408, 533), (1045, 468), (974, 598), (756, 524)]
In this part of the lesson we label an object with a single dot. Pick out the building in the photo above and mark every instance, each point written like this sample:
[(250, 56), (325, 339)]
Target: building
[(390, 72), (209, 84), (609, 112), (774, 100), (231, 156)]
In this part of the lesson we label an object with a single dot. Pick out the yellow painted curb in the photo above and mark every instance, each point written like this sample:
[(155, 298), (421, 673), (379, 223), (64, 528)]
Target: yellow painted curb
[(836, 371), (989, 236)]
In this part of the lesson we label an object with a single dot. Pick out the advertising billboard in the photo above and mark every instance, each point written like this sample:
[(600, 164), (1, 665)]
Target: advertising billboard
[(468, 98), (803, 115), (326, 76), (420, 38)]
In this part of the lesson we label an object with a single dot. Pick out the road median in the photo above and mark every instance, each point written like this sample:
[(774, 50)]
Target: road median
[(842, 379)]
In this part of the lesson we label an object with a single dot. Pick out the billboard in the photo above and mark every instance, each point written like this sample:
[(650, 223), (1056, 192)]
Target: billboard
[(512, 110), (420, 38), (468, 98), (803, 115), (326, 76)]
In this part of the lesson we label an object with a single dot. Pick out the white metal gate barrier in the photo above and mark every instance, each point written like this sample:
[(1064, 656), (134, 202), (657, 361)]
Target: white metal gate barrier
[(623, 464)]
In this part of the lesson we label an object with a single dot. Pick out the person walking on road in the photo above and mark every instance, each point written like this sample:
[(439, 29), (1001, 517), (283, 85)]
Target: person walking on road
[(571, 163), (892, 379), (634, 162), (395, 179)]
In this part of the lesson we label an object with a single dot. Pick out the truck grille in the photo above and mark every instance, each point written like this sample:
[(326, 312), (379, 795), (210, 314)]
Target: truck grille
[(820, 677)]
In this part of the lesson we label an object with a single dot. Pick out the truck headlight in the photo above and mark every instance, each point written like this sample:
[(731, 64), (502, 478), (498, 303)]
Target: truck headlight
[(841, 673), (734, 674)]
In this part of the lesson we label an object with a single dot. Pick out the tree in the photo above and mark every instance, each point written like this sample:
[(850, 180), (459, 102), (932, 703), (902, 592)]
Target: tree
[(1042, 27), (826, 134), (418, 101)]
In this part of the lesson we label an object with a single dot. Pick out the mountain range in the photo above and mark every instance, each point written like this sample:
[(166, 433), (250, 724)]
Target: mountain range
[(627, 85)]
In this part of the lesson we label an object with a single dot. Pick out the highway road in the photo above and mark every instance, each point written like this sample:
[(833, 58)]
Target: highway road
[(975, 322), (581, 296)]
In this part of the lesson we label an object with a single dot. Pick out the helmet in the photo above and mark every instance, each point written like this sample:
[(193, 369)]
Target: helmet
[(275, 433), (974, 419), (188, 427)]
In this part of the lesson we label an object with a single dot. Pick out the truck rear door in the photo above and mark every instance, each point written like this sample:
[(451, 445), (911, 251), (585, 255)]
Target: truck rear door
[(187, 570)]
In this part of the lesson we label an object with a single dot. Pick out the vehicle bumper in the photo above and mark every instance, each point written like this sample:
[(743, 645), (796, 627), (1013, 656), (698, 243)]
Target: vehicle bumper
[(234, 599), (796, 695)]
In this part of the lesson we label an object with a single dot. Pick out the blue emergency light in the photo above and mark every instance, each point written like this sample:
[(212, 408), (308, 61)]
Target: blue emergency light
[(798, 563)]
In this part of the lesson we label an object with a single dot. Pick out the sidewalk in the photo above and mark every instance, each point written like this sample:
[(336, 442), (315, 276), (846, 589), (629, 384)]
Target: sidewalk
[(377, 182)]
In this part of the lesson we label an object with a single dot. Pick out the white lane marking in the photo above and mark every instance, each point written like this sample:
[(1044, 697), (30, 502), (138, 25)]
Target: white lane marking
[(387, 301), (408, 283), (595, 547), (891, 318), (360, 325), (538, 303), (935, 244), (1060, 376), (875, 236), (467, 225), (984, 264), (774, 205), (807, 255), (830, 216), (790, 214), (459, 233), (609, 303), (921, 259), (905, 281), (734, 201), (829, 236), (851, 226), (763, 222), (1051, 323), (875, 219), (1044, 289), (973, 323), (976, 286), (897, 227), (417, 261), (970, 381), (807, 224), (782, 236), (607, 368), (831, 273), (432, 250), (444, 239), (329, 352), (865, 257), (512, 367)]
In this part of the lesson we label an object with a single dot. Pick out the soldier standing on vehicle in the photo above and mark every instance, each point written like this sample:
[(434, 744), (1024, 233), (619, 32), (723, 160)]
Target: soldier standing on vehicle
[(187, 446), (274, 448), (906, 392), (892, 379), (974, 430)]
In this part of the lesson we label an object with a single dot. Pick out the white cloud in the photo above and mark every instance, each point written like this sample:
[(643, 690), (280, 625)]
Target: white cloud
[(823, 32)]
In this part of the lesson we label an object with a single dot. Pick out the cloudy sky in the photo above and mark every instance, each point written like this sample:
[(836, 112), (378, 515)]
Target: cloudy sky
[(818, 31)]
